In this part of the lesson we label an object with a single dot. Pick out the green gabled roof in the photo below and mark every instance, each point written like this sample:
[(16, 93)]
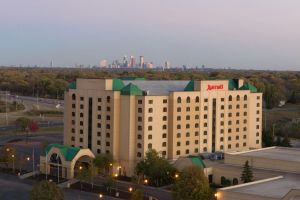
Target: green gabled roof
[(131, 78), (248, 86), (190, 86), (233, 84), (197, 161), (72, 85), (68, 152), (131, 89), (117, 84)]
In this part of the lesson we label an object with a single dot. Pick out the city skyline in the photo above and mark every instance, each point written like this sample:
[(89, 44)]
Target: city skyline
[(221, 34)]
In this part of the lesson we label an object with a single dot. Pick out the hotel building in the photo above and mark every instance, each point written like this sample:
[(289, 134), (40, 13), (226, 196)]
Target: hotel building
[(126, 117)]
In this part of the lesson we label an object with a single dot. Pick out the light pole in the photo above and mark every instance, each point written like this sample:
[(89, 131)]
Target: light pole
[(6, 111), (13, 159)]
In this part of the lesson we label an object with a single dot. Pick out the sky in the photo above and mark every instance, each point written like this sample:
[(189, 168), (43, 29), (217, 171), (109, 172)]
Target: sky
[(242, 34)]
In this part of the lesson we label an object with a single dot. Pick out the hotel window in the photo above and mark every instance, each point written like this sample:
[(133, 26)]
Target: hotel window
[(222, 99), (257, 105), (196, 133), (245, 121), (140, 110), (237, 122), (205, 100), (188, 100), (245, 97), (229, 122), (197, 99), (73, 114), (257, 134), (237, 145), (245, 105), (237, 130), (178, 100), (107, 126), (164, 127), (229, 138), (80, 139), (245, 129), (222, 123), (245, 136), (81, 131), (107, 135), (73, 130), (257, 112), (237, 106), (164, 109), (229, 146), (81, 123), (108, 108), (230, 98), (237, 114), (140, 119), (150, 110), (245, 113), (178, 135), (178, 109), (150, 119), (237, 137), (187, 117), (140, 101), (178, 144), (108, 99), (196, 150), (81, 114), (164, 144), (205, 124), (222, 107), (107, 117), (221, 147), (229, 114), (257, 126), (196, 141), (73, 138), (197, 108), (222, 131), (205, 149), (99, 125), (139, 136), (99, 108), (139, 154), (257, 141), (204, 132), (73, 97), (149, 137), (205, 141), (187, 151), (164, 153), (230, 107), (73, 122), (164, 135), (258, 97), (257, 119), (178, 127), (177, 152), (98, 142), (187, 134), (205, 116), (196, 125), (139, 145), (238, 97), (150, 101), (164, 118), (205, 108), (81, 106), (187, 126), (150, 146), (221, 139), (178, 118), (99, 134), (187, 143), (188, 109), (107, 152), (73, 105), (244, 144), (81, 98), (196, 116), (139, 128), (229, 130), (99, 100), (98, 151), (149, 128), (165, 101)]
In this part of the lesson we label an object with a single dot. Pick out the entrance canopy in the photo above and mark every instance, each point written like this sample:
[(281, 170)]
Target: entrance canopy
[(64, 158)]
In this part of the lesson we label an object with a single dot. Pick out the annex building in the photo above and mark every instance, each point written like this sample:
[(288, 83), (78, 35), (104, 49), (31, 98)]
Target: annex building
[(128, 116)]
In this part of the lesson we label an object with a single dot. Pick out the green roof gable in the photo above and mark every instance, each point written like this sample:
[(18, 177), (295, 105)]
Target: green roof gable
[(197, 161), (248, 86), (131, 89), (233, 84), (190, 86), (72, 85), (68, 152), (117, 84)]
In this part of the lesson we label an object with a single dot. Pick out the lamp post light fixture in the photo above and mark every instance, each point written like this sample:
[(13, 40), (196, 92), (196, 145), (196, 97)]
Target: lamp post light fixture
[(80, 167), (7, 149), (110, 164), (13, 157), (100, 196), (176, 175), (217, 195), (146, 181), (28, 158), (116, 174), (130, 189)]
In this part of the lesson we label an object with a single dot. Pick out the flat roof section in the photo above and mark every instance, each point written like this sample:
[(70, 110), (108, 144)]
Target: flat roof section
[(276, 188), (277, 153)]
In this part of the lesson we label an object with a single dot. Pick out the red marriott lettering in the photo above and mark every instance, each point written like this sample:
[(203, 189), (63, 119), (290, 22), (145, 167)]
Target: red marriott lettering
[(215, 87)]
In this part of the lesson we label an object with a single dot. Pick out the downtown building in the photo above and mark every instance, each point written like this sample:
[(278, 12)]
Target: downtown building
[(128, 116)]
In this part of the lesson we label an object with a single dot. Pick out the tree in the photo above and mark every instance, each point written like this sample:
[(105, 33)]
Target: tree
[(46, 190), (9, 155), (247, 174), (103, 162), (23, 123), (109, 183), (286, 142), (83, 175), (192, 185), (267, 138), (156, 169)]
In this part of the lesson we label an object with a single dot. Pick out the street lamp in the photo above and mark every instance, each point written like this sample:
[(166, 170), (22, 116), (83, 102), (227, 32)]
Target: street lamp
[(13, 157), (80, 167), (116, 175), (130, 189), (100, 196), (217, 195), (7, 149), (176, 175), (28, 158), (146, 181)]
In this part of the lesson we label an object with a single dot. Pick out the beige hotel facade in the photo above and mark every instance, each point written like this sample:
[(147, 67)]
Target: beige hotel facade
[(128, 116)]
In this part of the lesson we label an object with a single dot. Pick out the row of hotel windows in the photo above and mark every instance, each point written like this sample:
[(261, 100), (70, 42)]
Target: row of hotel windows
[(108, 98)]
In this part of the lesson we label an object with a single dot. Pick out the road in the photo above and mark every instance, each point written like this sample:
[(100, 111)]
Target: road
[(42, 124)]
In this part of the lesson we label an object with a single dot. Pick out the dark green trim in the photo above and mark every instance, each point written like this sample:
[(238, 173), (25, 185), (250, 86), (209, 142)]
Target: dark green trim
[(190, 86), (117, 84), (131, 89)]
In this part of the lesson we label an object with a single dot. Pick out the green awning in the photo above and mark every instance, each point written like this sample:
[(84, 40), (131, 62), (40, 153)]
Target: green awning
[(67, 151)]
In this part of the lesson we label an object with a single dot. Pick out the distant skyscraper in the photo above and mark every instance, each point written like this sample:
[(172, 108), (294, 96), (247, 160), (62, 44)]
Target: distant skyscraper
[(125, 62), (167, 65), (142, 61), (103, 63), (132, 62), (149, 65)]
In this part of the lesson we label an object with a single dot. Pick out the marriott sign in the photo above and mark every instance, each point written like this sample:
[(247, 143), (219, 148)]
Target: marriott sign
[(215, 87)]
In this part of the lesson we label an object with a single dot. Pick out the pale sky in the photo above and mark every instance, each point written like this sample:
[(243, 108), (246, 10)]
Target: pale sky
[(244, 34)]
